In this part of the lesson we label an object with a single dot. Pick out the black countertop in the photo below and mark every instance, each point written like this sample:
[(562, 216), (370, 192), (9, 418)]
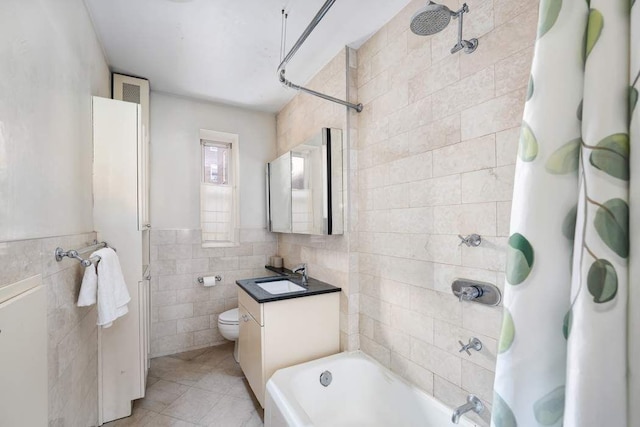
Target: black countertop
[(314, 287)]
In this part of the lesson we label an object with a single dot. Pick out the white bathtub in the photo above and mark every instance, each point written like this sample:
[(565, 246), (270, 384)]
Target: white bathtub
[(362, 393)]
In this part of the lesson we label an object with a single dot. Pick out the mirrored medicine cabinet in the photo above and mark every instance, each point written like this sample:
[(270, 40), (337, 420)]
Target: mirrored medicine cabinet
[(305, 187)]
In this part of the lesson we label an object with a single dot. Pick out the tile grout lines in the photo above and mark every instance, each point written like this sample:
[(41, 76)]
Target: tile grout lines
[(195, 388)]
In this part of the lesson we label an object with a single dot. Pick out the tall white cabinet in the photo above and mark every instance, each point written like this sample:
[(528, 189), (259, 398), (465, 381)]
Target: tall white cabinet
[(136, 90), (119, 212)]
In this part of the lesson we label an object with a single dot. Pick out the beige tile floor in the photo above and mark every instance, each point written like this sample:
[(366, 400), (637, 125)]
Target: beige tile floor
[(197, 388)]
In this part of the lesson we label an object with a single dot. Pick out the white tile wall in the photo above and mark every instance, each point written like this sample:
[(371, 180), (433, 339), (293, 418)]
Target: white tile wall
[(184, 313), (437, 146), (466, 156), (73, 334), (333, 259)]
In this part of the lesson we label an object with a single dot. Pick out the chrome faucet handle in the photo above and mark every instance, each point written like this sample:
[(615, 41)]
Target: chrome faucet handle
[(468, 293), (474, 343), (464, 348), (472, 240)]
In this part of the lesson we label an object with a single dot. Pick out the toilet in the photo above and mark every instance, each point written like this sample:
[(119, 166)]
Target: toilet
[(229, 327)]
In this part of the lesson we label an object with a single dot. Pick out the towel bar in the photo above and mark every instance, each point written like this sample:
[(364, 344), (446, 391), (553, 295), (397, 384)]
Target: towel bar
[(86, 262)]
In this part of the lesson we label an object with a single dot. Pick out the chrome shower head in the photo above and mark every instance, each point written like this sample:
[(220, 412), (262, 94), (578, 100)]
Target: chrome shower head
[(434, 18), (431, 19)]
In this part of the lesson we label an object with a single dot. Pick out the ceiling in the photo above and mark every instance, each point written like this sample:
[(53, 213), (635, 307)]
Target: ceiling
[(228, 51)]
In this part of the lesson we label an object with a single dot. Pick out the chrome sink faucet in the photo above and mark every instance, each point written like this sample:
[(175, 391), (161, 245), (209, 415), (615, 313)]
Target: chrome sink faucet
[(473, 404), (302, 268)]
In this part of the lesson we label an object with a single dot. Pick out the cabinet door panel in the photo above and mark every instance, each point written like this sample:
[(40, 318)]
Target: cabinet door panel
[(250, 352), (23, 358), (136, 90), (254, 308), (280, 193)]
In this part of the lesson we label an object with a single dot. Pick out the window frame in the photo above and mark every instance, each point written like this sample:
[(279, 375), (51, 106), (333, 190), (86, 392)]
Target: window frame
[(222, 138)]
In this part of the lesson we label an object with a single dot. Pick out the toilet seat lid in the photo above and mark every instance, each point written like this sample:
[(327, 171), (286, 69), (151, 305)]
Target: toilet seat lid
[(229, 317)]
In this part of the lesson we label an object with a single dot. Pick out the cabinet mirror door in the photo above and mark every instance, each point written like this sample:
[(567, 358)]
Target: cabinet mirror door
[(280, 193), (306, 187), (316, 184)]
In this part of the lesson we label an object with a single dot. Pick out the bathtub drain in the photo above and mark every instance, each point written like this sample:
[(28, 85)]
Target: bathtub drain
[(325, 378)]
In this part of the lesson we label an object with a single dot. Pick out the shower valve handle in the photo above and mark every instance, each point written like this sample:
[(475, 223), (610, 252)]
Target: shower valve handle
[(469, 293), (474, 343), (470, 240)]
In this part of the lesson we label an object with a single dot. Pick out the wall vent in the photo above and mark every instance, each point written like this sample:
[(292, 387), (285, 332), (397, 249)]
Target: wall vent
[(131, 93)]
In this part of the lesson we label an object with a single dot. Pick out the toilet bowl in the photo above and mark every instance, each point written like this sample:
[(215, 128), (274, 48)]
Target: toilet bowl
[(229, 327)]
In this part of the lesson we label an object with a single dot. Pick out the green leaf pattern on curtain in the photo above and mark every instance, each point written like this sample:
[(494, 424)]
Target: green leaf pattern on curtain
[(549, 11), (573, 206), (508, 332), (528, 146), (602, 281), (519, 259), (594, 29), (569, 224), (502, 415), (565, 159), (566, 324), (611, 155), (612, 224), (550, 408), (633, 101)]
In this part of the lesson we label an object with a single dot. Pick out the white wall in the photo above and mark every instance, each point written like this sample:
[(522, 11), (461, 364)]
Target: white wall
[(50, 65), (175, 158)]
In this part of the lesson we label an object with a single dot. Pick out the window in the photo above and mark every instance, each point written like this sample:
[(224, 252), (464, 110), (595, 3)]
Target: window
[(219, 208), (216, 156)]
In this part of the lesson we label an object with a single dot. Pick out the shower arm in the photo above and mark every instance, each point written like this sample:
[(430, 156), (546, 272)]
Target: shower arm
[(468, 45), (281, 69), (460, 15)]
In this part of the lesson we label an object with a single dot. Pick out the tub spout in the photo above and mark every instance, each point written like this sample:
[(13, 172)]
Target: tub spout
[(473, 404)]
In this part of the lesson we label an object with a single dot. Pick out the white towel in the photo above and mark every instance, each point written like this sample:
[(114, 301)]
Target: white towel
[(105, 284)]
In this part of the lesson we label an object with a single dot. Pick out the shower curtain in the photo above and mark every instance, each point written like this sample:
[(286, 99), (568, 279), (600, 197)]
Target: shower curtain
[(566, 343)]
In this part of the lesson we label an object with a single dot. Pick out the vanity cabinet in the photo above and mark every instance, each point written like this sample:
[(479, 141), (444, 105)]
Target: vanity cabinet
[(278, 334)]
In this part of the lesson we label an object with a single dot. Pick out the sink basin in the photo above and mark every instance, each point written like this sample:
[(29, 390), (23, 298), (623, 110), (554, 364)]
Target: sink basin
[(280, 286)]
